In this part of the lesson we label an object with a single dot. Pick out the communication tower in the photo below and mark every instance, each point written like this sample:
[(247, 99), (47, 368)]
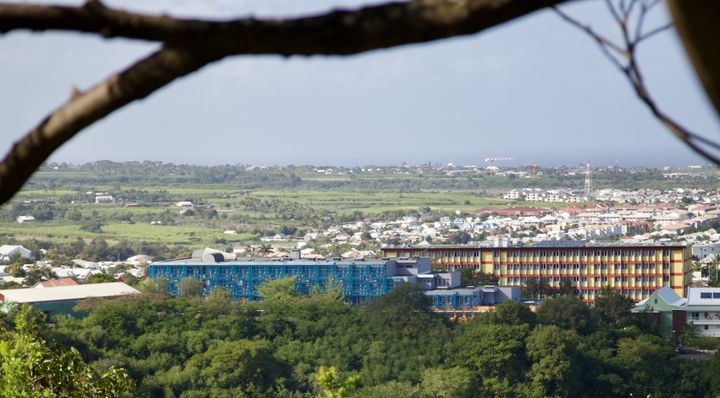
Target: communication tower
[(588, 179)]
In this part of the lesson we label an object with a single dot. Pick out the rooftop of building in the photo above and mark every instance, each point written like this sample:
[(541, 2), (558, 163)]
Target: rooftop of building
[(56, 283), (61, 293), (697, 297), (703, 296), (560, 244), (284, 260), (460, 291)]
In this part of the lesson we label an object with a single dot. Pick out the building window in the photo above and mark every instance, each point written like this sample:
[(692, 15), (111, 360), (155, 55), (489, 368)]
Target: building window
[(706, 327)]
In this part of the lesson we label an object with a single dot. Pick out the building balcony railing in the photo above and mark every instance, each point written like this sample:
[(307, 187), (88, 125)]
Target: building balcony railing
[(704, 321)]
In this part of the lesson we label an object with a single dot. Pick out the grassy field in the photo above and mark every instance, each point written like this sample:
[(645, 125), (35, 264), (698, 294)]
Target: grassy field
[(377, 202), (167, 234), (277, 208)]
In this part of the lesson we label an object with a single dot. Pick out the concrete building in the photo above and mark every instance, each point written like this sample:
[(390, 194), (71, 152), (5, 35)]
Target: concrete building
[(361, 280), (672, 312), (104, 199), (473, 296), (24, 219), (62, 299), (7, 251), (635, 270), (703, 250)]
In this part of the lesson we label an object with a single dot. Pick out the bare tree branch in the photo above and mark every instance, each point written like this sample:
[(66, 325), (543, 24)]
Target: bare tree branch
[(631, 70), (83, 109), (653, 32), (338, 32), (191, 44), (604, 43)]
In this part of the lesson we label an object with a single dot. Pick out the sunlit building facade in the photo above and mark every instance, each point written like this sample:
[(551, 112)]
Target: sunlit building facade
[(635, 270)]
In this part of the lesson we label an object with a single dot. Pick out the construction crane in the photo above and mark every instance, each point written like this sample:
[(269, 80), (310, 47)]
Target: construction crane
[(492, 168)]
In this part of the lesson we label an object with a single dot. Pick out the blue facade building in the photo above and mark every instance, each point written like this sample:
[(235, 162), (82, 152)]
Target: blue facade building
[(361, 280), (472, 296)]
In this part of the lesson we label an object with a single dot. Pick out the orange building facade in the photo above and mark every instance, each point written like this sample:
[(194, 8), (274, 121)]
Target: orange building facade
[(635, 271)]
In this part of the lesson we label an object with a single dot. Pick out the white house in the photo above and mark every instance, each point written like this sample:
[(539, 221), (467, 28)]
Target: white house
[(701, 308), (7, 251), (24, 219), (104, 199)]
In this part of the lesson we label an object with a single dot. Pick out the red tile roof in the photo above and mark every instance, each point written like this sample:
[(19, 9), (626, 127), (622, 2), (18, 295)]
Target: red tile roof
[(57, 282)]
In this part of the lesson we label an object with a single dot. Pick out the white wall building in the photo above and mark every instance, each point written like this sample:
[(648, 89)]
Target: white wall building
[(7, 251), (703, 310)]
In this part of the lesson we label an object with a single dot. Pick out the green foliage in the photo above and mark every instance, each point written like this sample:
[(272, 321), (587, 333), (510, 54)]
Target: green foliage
[(638, 357), (692, 338), (395, 389), (495, 352), (29, 369), (395, 347), (407, 309), (189, 287), (567, 288), (555, 362), (512, 313), (566, 312), (153, 285), (614, 308), (227, 368), (459, 238), (278, 290), (332, 385), (16, 259), (454, 382), (470, 277), (219, 299), (536, 288), (37, 274), (100, 278), (331, 290), (93, 226)]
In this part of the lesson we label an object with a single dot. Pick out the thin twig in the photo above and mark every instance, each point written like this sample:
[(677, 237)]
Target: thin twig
[(641, 20), (188, 45), (631, 70), (653, 32), (609, 4), (604, 43)]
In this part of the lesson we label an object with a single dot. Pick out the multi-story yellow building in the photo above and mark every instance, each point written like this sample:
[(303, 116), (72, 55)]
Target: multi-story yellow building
[(635, 270)]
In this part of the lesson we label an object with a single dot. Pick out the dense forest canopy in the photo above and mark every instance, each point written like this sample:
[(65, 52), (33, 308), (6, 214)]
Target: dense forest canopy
[(311, 346)]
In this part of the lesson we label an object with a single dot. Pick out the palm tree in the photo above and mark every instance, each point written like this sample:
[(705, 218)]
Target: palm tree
[(713, 271), (264, 249)]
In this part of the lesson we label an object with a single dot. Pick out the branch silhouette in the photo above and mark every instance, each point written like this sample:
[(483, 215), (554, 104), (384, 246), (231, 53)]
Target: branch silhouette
[(189, 44), (624, 57), (186, 45)]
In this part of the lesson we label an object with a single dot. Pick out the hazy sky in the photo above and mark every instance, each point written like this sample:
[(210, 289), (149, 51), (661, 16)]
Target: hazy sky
[(535, 89)]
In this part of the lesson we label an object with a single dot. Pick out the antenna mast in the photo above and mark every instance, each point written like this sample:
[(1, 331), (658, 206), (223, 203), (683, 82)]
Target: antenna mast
[(588, 179)]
